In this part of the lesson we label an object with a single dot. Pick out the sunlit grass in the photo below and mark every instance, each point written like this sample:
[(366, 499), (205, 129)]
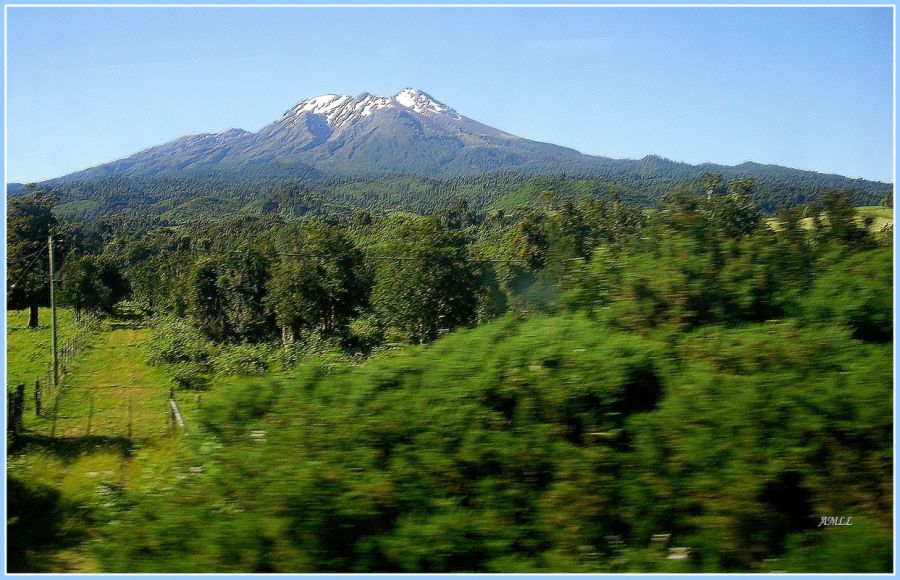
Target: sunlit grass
[(94, 398), (88, 446), (28, 355), (881, 217)]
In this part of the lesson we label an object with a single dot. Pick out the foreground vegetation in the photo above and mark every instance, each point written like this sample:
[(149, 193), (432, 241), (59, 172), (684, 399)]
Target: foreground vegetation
[(577, 386), (103, 429)]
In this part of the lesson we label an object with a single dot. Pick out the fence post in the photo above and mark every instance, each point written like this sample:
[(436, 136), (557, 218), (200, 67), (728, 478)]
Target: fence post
[(90, 413), (37, 397), (11, 412), (20, 407)]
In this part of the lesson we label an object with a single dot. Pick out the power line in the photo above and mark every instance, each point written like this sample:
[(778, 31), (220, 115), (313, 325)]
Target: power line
[(397, 258), (369, 257), (27, 268), (34, 253)]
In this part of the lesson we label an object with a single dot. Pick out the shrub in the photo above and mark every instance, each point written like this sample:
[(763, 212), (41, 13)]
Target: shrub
[(243, 359), (175, 340)]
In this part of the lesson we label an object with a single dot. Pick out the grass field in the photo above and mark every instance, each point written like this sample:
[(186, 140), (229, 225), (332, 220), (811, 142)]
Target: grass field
[(89, 442), (28, 349), (95, 394), (881, 216)]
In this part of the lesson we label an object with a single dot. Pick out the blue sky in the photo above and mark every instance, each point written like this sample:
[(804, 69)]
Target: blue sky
[(802, 87)]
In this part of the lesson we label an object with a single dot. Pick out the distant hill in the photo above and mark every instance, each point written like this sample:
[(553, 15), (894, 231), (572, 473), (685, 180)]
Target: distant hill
[(321, 145)]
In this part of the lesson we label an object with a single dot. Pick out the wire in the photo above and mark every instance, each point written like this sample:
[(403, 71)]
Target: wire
[(38, 251), (367, 257), (27, 268), (397, 258)]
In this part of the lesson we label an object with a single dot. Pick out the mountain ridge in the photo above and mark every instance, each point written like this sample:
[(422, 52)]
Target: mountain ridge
[(409, 133)]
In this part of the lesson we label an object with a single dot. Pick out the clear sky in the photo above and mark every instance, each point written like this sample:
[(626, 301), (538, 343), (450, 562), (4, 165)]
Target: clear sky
[(803, 87)]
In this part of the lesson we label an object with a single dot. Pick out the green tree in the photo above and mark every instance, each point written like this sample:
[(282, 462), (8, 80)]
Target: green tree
[(838, 221), (226, 296), (92, 283), (321, 284), (82, 285), (709, 182), (29, 223), (431, 285)]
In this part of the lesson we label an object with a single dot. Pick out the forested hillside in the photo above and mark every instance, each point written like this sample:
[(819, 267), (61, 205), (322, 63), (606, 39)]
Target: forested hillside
[(514, 374), (294, 192)]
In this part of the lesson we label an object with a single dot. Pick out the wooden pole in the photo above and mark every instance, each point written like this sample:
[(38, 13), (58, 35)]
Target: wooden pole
[(90, 413), (53, 309), (177, 414), (37, 397), (11, 412), (20, 407)]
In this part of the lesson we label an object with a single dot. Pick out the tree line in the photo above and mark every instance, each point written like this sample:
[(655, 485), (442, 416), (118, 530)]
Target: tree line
[(191, 197), (698, 257), (606, 385)]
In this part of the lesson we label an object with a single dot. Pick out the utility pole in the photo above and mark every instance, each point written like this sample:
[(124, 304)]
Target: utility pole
[(53, 310)]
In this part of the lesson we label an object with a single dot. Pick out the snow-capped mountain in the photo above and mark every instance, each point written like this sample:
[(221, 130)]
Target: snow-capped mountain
[(409, 133)]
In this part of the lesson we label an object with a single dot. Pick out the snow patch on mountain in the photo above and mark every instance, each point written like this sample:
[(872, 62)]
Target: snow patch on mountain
[(339, 110), (421, 102)]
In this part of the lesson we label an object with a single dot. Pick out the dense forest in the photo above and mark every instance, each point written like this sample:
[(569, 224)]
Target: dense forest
[(512, 374), (227, 193)]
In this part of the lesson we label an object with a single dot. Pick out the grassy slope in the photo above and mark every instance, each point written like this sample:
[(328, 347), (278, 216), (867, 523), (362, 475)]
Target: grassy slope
[(63, 470), (28, 349), (95, 392), (882, 216)]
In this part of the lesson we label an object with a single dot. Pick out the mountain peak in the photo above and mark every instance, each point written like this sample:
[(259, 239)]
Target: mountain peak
[(321, 105), (342, 109), (420, 101)]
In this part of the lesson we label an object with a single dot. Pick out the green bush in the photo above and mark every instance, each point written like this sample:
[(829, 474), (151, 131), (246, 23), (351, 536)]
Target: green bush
[(855, 290), (243, 359), (176, 340), (549, 444), (192, 376)]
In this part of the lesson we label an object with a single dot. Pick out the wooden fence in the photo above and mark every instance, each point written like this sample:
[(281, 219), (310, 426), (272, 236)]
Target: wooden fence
[(45, 389)]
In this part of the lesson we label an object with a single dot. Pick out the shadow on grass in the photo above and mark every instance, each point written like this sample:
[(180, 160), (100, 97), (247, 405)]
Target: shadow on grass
[(37, 523), (69, 448)]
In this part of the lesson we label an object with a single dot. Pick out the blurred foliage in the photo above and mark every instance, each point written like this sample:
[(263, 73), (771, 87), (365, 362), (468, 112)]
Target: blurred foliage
[(582, 385), (562, 445)]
